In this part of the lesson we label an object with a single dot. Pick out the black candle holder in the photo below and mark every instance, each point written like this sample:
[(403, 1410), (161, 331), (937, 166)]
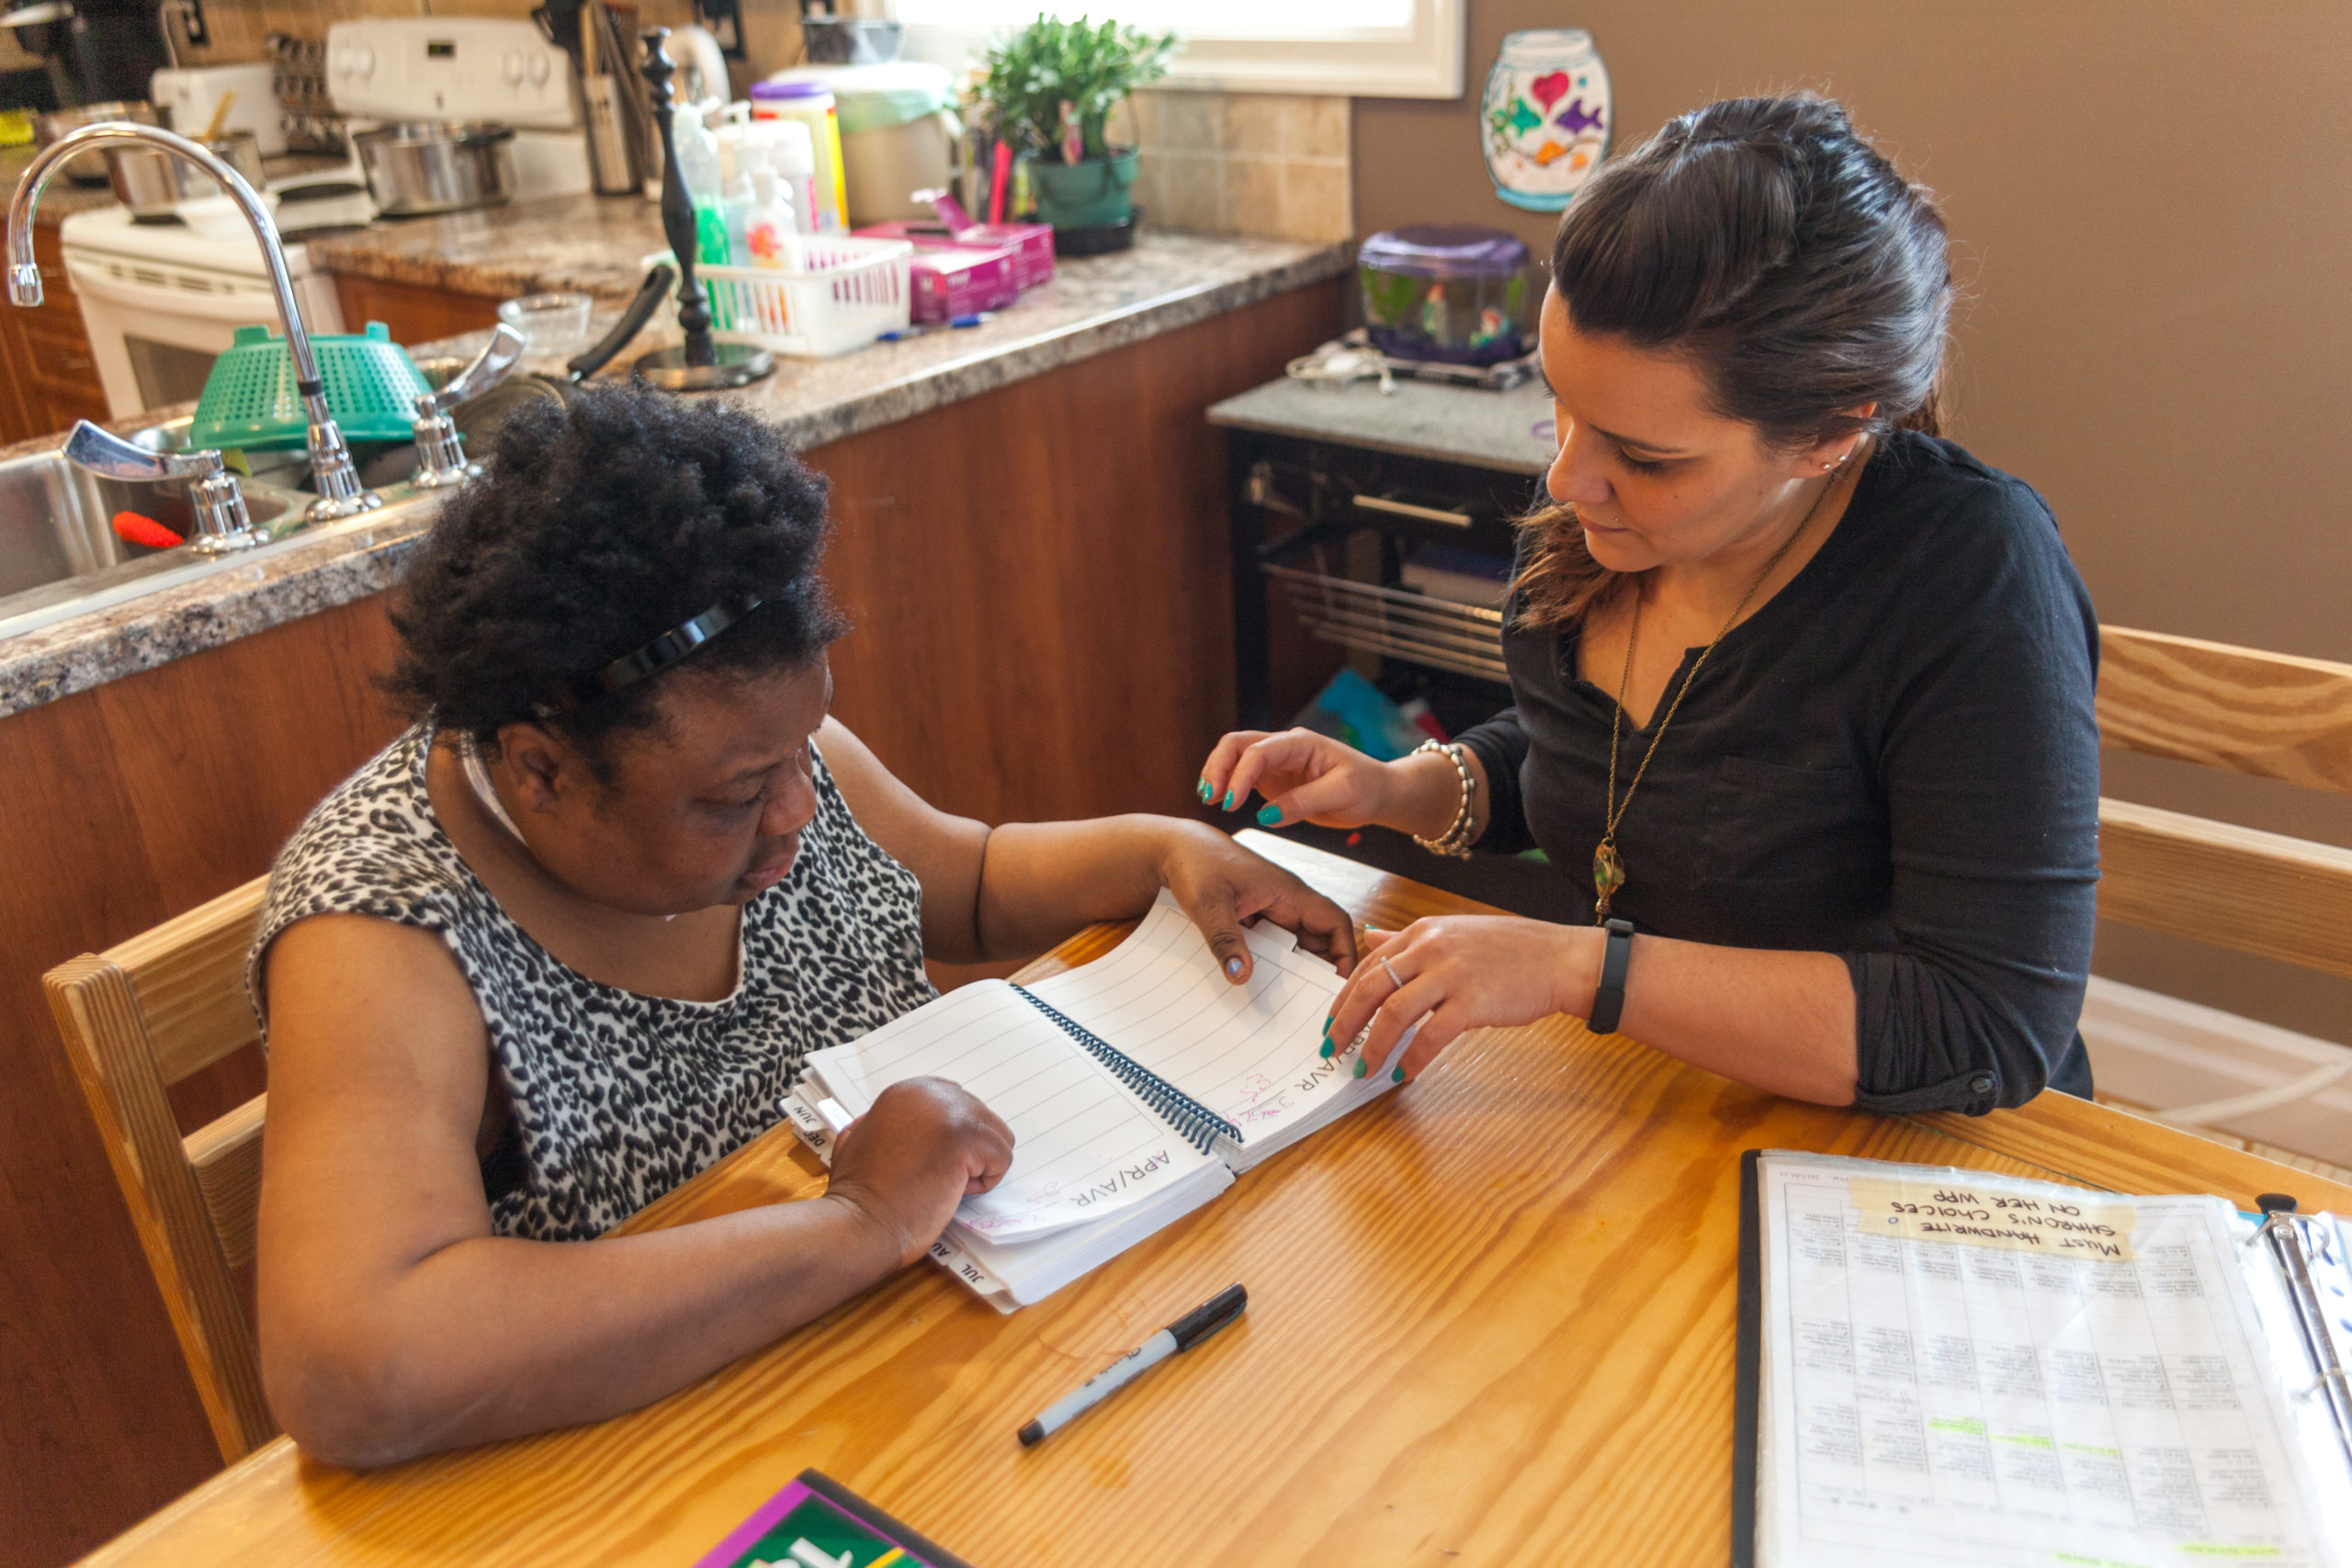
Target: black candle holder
[(697, 364)]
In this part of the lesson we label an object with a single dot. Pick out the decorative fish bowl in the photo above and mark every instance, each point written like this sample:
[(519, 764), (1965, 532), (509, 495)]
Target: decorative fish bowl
[(1546, 117)]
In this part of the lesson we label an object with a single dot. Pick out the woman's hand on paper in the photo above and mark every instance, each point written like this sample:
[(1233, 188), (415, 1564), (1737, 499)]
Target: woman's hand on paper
[(1224, 887), (905, 1164), (1460, 973)]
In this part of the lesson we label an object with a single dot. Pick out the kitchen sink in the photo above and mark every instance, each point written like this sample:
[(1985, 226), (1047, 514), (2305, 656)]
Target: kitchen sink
[(60, 557), (56, 521)]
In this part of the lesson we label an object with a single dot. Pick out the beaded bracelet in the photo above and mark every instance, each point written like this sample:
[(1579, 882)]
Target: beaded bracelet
[(1455, 842)]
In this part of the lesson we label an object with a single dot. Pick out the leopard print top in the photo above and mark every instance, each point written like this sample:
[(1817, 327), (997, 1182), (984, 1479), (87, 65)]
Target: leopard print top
[(618, 1098)]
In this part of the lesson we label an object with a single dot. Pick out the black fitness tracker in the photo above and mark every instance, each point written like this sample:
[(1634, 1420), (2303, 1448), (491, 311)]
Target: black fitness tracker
[(1609, 999)]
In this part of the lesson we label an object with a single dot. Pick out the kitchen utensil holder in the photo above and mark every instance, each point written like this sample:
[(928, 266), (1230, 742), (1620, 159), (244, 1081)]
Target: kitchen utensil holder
[(1397, 622)]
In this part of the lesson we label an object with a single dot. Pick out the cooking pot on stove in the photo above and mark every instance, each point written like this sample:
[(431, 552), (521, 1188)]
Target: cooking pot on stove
[(153, 183), (90, 168), (419, 166)]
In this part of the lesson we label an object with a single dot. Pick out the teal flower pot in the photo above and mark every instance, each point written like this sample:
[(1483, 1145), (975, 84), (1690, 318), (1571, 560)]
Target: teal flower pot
[(1082, 196)]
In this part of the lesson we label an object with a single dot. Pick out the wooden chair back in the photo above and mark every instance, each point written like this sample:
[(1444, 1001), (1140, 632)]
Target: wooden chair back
[(138, 1019), (2269, 714)]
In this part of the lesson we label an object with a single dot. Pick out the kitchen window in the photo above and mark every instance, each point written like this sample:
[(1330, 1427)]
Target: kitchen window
[(1374, 48)]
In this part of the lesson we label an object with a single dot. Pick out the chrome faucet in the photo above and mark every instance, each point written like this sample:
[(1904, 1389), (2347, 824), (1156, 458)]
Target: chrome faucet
[(339, 493), (440, 453), (222, 524)]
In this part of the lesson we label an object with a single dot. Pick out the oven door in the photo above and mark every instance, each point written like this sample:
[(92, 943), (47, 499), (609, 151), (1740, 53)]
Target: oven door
[(155, 328)]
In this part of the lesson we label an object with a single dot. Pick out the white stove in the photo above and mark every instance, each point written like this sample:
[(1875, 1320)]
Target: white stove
[(162, 300)]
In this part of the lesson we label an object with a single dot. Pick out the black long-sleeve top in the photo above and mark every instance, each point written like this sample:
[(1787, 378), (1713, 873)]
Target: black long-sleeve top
[(1893, 760)]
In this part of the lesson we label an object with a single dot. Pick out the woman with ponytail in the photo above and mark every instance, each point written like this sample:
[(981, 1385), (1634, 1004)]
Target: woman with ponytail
[(1804, 690)]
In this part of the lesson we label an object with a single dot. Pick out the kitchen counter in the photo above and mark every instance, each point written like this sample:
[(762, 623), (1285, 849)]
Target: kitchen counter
[(1093, 305), (63, 199)]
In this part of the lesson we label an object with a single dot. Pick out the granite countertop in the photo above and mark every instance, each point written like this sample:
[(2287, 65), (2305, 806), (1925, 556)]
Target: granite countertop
[(61, 200), (591, 245), (1093, 305), (1453, 425)]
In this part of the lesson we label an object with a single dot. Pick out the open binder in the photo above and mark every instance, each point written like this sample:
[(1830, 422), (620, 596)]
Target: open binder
[(1137, 1088), (1938, 1365)]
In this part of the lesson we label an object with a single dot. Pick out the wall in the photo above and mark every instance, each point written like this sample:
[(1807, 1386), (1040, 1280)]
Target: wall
[(2151, 222)]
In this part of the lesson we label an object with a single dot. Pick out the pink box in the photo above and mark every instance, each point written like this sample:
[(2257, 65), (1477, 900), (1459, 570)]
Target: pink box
[(956, 280), (1033, 244)]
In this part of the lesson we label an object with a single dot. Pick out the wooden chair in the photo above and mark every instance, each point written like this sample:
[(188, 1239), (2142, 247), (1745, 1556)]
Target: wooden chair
[(138, 1019), (2272, 715)]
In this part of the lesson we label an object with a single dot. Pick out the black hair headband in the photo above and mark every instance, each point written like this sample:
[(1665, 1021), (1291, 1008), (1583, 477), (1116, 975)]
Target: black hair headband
[(658, 654)]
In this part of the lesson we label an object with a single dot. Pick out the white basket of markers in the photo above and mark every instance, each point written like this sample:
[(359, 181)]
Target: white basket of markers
[(834, 293)]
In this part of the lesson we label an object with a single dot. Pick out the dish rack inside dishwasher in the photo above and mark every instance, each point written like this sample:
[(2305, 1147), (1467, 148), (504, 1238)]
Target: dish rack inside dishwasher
[(1400, 623)]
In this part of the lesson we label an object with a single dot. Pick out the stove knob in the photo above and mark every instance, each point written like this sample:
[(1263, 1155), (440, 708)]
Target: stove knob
[(512, 69), (339, 60), (363, 60), (539, 69)]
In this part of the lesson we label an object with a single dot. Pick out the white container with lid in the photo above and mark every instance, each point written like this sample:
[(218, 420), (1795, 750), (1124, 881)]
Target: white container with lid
[(899, 133), (811, 105)]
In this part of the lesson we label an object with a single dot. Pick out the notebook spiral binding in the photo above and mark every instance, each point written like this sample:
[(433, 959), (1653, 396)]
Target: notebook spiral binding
[(1194, 1122)]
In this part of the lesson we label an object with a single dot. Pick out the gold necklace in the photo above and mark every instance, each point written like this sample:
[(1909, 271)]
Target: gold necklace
[(1608, 865)]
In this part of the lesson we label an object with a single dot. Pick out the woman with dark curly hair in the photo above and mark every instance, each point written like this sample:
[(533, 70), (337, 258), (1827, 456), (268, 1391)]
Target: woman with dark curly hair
[(565, 942), (1803, 689)]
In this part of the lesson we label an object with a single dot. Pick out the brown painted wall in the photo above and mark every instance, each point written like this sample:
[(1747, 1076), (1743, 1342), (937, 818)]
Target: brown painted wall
[(2152, 209)]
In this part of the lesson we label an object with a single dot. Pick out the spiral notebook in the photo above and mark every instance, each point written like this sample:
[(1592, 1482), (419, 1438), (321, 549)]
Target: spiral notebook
[(1951, 1366), (1136, 1086)]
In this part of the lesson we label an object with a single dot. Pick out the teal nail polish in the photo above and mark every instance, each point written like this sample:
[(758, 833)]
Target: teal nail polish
[(1207, 791), (1359, 1067), (1269, 816), (1229, 801), (1233, 967), (1397, 1076), (1327, 1048)]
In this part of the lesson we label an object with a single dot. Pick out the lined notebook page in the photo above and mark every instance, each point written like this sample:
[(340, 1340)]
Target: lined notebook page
[(1083, 1146), (1251, 1053), (1961, 1367)]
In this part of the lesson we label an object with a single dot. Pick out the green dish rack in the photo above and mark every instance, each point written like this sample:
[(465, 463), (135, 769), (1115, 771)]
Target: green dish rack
[(250, 403)]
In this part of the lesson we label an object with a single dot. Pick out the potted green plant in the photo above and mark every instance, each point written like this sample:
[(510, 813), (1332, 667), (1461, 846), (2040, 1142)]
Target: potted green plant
[(1048, 91)]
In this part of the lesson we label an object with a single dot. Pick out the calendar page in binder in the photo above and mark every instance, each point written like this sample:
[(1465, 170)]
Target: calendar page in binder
[(1084, 1146), (1250, 1053), (1965, 1368)]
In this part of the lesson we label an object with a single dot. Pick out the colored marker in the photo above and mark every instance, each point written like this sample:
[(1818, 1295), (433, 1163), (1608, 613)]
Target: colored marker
[(1182, 1335)]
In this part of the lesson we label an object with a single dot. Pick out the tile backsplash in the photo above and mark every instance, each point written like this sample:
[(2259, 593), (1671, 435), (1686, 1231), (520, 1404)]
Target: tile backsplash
[(1244, 163), (238, 28)]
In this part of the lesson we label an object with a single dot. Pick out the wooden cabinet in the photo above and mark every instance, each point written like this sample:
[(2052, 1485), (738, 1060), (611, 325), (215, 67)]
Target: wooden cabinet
[(52, 379), (1043, 629), (412, 313)]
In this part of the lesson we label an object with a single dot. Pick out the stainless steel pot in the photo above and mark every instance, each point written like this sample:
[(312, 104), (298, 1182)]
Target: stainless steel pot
[(421, 166), (153, 183), (90, 168)]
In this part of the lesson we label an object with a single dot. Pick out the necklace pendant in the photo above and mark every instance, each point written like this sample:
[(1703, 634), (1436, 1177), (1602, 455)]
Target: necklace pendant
[(1607, 875)]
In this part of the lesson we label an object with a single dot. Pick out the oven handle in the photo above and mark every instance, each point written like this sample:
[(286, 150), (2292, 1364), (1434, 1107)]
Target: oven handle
[(236, 309), (1421, 514)]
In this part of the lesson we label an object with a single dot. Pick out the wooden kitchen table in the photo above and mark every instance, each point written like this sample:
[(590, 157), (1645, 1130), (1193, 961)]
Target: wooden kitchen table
[(1490, 1322)]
